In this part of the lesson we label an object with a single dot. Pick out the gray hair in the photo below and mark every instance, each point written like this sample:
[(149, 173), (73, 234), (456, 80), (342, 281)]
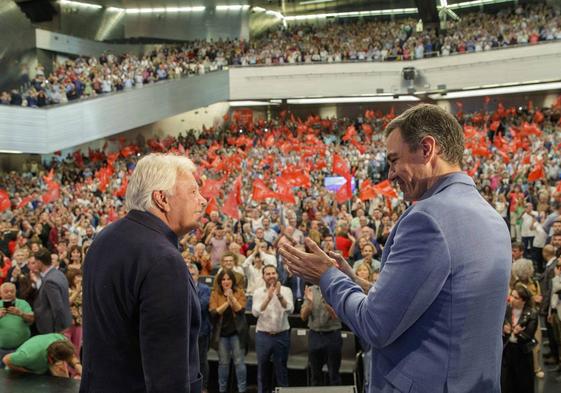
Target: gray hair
[(154, 172), (426, 119), (523, 269)]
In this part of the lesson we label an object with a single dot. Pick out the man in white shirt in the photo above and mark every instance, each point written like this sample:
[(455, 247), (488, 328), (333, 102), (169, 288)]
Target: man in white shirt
[(527, 230), (271, 306)]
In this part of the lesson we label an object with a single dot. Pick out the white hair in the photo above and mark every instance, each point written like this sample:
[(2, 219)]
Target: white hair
[(155, 172), (523, 269)]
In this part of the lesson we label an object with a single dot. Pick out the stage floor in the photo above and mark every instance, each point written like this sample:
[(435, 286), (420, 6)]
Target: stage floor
[(11, 382)]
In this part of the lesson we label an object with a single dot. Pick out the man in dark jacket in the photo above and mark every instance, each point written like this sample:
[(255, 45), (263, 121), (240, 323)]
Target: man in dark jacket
[(141, 314), (51, 306)]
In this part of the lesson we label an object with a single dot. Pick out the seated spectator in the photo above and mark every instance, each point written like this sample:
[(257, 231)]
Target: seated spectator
[(45, 354), (15, 317)]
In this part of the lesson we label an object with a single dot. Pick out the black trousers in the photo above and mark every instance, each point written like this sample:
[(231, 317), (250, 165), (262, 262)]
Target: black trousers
[(325, 348), (517, 370), (203, 358)]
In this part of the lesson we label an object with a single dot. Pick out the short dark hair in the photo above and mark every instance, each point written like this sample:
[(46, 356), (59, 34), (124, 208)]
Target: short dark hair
[(267, 266), (43, 256), (427, 119), (61, 350), (517, 245)]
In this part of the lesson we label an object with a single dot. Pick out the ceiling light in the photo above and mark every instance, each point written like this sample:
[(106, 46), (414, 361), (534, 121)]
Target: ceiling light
[(350, 100), (528, 88), (79, 4)]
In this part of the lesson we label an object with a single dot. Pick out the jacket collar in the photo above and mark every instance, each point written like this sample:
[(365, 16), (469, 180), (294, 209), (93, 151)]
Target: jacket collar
[(149, 220), (447, 180)]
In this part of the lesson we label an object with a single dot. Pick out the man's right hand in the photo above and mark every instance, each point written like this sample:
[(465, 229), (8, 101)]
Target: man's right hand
[(271, 291), (3, 312)]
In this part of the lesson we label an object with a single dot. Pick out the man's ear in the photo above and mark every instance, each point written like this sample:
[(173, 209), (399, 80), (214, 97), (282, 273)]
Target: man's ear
[(429, 147), (160, 200)]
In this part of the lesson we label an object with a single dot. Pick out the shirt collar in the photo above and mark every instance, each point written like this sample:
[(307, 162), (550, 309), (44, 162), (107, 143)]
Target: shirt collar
[(149, 220)]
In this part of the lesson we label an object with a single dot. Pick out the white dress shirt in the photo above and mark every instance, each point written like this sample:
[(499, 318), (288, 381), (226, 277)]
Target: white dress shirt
[(274, 318)]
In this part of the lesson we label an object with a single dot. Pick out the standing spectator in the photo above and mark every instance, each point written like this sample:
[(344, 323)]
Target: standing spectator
[(325, 342), (218, 246), (229, 330), (271, 306), (74, 333), (517, 372), (527, 229), (203, 292), (15, 317), (52, 308), (546, 309), (555, 315)]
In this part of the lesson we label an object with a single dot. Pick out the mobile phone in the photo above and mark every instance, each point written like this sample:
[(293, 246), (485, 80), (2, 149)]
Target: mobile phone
[(8, 304)]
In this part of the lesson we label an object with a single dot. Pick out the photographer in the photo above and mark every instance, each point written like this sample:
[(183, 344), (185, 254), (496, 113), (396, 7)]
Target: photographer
[(15, 317), (521, 321)]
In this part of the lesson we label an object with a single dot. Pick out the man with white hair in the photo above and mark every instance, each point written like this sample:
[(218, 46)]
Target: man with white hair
[(141, 313), (15, 317)]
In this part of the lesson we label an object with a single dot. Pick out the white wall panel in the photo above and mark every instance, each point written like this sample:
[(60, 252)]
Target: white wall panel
[(47, 130), (514, 65)]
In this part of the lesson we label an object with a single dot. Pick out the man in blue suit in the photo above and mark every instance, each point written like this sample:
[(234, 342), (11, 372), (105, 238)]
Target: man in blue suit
[(141, 311), (434, 317)]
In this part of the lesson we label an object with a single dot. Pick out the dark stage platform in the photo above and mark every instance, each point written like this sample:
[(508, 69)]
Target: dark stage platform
[(11, 382)]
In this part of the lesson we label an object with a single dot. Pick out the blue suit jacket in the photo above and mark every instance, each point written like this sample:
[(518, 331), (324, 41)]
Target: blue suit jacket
[(141, 313), (434, 318)]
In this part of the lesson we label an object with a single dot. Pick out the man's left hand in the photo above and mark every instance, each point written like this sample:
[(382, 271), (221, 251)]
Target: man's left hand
[(309, 266)]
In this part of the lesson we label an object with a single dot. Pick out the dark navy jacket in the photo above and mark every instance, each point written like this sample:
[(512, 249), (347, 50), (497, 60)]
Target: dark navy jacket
[(203, 291), (141, 313)]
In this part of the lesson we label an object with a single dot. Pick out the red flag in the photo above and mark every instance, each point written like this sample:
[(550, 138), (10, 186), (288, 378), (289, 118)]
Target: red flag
[(78, 159), (505, 157), (24, 201), (367, 191), (122, 191), (536, 173), (350, 133), (361, 148), (367, 129), (211, 188), (111, 158), (129, 150), (538, 117), (5, 203), (112, 216), (344, 193), (233, 200), (52, 193), (269, 141), (212, 206), (340, 166), (473, 170), (495, 125), (261, 191), (284, 191), (386, 189)]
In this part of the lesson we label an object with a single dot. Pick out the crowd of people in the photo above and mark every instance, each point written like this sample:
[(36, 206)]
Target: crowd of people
[(397, 40), (264, 186)]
